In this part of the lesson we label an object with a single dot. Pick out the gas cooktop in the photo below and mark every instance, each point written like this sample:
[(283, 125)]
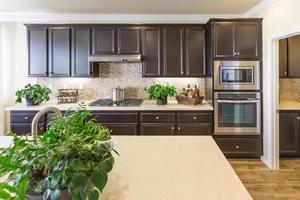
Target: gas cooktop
[(109, 102)]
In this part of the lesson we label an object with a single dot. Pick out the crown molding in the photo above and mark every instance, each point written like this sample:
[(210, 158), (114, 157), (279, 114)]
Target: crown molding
[(258, 8), (107, 18)]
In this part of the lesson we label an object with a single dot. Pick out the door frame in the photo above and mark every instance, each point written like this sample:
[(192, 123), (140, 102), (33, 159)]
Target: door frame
[(271, 98)]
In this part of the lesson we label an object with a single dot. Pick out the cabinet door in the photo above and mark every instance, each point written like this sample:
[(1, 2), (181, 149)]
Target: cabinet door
[(293, 56), (129, 40), (224, 40), (81, 49), (103, 41), (157, 129), (151, 50), (59, 52), (23, 129), (173, 52), (195, 52), (289, 134), (194, 129), (37, 51), (122, 129), (283, 54), (247, 42)]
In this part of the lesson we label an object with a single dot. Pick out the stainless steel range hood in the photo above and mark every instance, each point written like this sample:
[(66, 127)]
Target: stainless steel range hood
[(116, 58)]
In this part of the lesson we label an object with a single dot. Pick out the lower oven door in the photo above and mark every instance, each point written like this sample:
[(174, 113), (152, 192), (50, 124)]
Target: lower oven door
[(237, 117)]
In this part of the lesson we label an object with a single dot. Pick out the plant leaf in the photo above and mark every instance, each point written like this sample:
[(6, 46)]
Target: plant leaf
[(94, 195), (99, 179), (55, 194), (46, 194), (80, 179), (106, 164)]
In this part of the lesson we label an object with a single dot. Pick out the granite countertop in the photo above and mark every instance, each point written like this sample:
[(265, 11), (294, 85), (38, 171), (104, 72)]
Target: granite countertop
[(181, 167), (146, 105), (289, 105)]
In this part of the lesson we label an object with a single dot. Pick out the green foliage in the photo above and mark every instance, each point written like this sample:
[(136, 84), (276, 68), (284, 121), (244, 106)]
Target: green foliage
[(158, 91), (74, 154), (35, 92)]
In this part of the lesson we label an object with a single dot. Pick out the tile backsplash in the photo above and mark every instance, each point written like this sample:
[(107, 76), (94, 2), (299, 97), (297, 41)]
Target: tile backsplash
[(125, 75), (289, 89)]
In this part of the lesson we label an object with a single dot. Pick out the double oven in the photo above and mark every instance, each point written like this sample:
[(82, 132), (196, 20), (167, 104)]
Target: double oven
[(237, 98)]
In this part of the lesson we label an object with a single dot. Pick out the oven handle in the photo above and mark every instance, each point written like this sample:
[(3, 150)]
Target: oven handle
[(237, 101)]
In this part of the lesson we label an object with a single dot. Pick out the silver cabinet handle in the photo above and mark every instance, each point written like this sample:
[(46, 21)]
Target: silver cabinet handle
[(238, 101), (157, 117), (194, 118), (26, 117), (237, 146)]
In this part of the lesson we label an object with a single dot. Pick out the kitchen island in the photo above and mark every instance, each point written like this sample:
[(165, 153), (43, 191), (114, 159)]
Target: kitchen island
[(170, 168)]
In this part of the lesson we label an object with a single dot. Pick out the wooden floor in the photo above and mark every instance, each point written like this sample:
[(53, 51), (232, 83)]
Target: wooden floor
[(264, 184)]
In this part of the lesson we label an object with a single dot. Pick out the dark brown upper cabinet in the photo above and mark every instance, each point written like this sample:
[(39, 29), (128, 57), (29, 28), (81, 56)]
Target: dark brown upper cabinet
[(283, 58), (237, 39), (195, 52), (37, 38), (173, 38), (81, 49), (289, 134), (59, 51), (289, 59), (129, 40), (151, 50), (104, 40)]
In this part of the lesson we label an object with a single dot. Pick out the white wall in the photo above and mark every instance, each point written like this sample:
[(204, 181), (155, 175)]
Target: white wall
[(280, 18)]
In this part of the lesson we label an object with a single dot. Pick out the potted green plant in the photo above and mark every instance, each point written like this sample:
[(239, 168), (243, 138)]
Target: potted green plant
[(69, 161), (34, 94), (161, 92)]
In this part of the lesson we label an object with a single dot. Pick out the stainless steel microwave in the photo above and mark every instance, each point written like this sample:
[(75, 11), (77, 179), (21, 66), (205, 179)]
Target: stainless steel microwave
[(236, 75)]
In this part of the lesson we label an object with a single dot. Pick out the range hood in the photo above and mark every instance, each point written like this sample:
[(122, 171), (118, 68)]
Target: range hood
[(116, 58)]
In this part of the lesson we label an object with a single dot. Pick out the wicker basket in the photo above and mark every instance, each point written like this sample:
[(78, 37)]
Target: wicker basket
[(189, 100)]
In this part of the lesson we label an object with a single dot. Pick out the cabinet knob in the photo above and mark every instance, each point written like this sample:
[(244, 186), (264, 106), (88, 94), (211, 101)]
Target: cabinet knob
[(157, 117), (172, 128), (237, 146), (285, 73), (298, 118), (26, 118), (41, 128), (194, 118), (238, 53), (235, 53), (179, 128), (110, 130)]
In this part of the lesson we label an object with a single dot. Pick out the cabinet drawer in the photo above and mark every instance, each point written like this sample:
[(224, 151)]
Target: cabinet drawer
[(122, 129), (195, 117), (23, 129), (157, 129), (23, 117), (194, 129), (116, 117), (157, 117), (240, 147)]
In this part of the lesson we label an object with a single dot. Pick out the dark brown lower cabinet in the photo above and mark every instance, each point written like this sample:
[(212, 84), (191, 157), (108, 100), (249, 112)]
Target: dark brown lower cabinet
[(240, 147), (289, 140), (25, 128), (194, 129), (157, 129), (122, 129)]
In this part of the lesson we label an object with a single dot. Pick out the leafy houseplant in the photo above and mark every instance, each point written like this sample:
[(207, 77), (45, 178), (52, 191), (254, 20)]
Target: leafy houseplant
[(34, 94), (72, 158), (160, 93)]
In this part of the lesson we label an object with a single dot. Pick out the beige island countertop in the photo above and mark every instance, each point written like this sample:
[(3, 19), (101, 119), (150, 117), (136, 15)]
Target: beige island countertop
[(289, 105), (145, 106), (170, 168)]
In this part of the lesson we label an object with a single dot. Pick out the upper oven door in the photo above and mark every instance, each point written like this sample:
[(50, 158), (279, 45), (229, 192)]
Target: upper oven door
[(236, 75)]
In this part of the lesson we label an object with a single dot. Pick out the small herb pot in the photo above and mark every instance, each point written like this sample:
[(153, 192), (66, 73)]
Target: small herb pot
[(65, 195), (30, 102), (162, 101)]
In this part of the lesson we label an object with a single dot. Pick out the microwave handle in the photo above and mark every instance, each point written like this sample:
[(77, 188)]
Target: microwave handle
[(237, 101)]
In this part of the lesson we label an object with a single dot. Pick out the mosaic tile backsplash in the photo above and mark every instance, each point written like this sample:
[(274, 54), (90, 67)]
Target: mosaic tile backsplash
[(289, 89), (125, 75)]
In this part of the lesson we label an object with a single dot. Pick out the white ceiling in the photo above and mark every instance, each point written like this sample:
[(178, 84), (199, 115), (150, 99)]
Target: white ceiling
[(214, 7)]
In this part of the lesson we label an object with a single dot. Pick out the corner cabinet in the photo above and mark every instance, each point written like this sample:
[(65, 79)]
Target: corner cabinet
[(37, 39), (289, 133), (237, 39)]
